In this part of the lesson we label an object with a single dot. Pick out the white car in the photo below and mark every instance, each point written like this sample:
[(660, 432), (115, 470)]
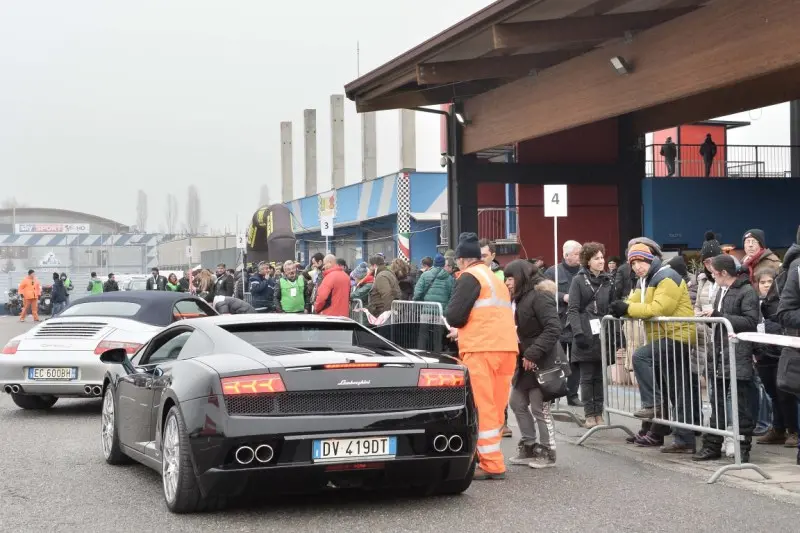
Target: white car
[(60, 358)]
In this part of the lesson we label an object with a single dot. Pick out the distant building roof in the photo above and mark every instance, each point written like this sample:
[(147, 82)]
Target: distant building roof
[(30, 212)]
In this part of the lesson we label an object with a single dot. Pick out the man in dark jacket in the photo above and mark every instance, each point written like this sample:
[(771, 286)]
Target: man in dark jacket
[(227, 305), (789, 317), (58, 295), (708, 151), (224, 284), (111, 284), (184, 283), (736, 301), (156, 282), (262, 288), (566, 270), (385, 288), (670, 153)]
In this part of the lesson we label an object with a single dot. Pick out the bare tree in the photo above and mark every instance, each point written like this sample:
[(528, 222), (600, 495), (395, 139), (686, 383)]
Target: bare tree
[(11, 202), (172, 214), (141, 211), (263, 197), (193, 211)]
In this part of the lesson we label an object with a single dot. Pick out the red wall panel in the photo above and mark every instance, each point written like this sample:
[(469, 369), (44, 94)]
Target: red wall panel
[(655, 161), (592, 216), (593, 143), (691, 163)]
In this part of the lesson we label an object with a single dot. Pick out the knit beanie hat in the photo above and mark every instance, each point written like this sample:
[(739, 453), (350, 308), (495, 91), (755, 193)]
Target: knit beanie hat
[(756, 234), (640, 252), (711, 247), (360, 272), (468, 246), (438, 261)]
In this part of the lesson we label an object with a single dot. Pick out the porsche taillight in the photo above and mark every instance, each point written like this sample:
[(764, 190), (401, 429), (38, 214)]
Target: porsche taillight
[(11, 347), (431, 377), (130, 347), (252, 384)]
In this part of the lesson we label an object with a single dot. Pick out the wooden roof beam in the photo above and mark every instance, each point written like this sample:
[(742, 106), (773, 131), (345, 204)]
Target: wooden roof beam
[(579, 29), (426, 97), (485, 68)]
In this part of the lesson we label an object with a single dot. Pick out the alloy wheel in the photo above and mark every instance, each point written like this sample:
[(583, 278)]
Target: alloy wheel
[(108, 423), (170, 467)]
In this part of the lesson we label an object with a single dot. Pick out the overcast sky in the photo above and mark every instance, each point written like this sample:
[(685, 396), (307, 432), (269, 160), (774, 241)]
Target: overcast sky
[(99, 98)]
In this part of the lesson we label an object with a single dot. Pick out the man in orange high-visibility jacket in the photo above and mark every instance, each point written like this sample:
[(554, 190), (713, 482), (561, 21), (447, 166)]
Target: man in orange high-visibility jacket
[(481, 319), (30, 290)]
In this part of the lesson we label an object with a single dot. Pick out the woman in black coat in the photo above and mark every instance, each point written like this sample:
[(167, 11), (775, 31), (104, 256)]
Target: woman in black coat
[(538, 330), (589, 297)]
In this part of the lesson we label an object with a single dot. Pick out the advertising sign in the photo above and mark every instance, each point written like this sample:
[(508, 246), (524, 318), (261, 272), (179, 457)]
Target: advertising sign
[(327, 204), (50, 227)]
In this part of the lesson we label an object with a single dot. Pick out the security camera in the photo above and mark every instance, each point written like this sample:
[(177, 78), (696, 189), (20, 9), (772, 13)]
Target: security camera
[(443, 160)]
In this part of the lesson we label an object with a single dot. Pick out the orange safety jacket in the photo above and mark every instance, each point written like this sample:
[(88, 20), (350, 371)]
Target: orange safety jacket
[(30, 289), (490, 327)]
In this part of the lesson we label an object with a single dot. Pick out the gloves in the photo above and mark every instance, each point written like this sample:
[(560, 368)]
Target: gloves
[(582, 342), (619, 308)]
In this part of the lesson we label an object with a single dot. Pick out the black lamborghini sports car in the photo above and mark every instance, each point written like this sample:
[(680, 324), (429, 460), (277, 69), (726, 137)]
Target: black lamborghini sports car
[(230, 404)]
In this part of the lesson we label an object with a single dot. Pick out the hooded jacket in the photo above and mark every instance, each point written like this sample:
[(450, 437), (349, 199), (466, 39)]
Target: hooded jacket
[(788, 313), (740, 306), (538, 325), (385, 290), (665, 295), (434, 285), (589, 299), (233, 306)]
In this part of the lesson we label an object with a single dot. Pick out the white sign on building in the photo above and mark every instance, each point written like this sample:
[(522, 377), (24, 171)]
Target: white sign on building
[(50, 227)]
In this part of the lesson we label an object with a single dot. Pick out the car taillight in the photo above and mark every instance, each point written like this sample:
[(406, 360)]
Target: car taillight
[(338, 366), (253, 384), (130, 347), (10, 348), (431, 377)]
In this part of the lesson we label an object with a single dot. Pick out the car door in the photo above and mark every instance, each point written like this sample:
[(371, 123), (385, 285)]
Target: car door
[(135, 391), (191, 308)]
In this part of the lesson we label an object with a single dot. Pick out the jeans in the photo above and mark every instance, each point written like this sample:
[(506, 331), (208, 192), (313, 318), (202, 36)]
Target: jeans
[(720, 419), (784, 405), (664, 365), (58, 307), (591, 379), (532, 412)]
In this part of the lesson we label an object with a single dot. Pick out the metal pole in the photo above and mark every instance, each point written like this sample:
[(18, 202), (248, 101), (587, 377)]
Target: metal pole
[(555, 256)]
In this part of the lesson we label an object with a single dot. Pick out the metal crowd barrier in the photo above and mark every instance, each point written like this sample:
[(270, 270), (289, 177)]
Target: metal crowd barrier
[(357, 312), (411, 325), (684, 379)]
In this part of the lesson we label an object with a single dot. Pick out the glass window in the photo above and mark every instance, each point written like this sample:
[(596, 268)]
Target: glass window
[(309, 336), (120, 309), (169, 351), (191, 309)]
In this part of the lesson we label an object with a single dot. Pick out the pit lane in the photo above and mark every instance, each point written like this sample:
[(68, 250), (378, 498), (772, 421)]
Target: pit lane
[(54, 479)]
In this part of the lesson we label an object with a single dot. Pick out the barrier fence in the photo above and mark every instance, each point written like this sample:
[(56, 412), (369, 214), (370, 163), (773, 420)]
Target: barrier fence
[(686, 371), (410, 325)]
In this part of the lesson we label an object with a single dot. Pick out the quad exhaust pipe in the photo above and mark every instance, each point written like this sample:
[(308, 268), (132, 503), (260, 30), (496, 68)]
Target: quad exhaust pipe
[(245, 455), (11, 389), (455, 443), (440, 443), (96, 390), (264, 453)]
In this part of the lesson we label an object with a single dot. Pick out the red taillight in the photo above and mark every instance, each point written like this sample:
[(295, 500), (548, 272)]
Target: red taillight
[(337, 366), (130, 347), (10, 348), (254, 384), (431, 377)]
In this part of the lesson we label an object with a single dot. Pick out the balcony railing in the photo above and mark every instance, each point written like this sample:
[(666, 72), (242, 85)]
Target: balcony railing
[(498, 224), (730, 161)]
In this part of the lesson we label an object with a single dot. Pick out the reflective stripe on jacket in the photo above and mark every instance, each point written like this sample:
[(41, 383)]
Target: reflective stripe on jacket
[(490, 327)]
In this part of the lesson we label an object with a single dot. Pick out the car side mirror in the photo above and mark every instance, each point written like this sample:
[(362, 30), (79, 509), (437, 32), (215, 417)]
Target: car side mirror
[(114, 356)]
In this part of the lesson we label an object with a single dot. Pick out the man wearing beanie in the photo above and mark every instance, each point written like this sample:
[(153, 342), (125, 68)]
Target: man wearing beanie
[(736, 301), (481, 320), (757, 255), (664, 361)]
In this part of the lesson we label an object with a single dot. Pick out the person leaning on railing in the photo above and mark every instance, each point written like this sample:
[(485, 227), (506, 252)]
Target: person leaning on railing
[(736, 301), (664, 361)]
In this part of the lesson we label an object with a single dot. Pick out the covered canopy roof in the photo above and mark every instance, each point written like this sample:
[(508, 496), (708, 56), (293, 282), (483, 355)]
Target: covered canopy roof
[(506, 41)]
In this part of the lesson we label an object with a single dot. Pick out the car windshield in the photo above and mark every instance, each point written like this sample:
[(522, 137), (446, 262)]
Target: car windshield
[(120, 309), (137, 285), (269, 337)]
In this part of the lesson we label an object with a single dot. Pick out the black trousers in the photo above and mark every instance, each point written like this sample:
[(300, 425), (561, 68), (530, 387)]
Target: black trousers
[(784, 405), (591, 382), (719, 417)]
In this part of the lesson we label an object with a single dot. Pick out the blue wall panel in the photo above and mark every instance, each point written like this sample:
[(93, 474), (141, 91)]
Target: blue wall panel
[(681, 210), (424, 240)]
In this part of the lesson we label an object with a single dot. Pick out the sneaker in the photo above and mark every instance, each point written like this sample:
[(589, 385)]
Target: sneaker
[(506, 432), (525, 452), (791, 441), (772, 436), (707, 454), (648, 440), (574, 401), (483, 475), (677, 448), (545, 459)]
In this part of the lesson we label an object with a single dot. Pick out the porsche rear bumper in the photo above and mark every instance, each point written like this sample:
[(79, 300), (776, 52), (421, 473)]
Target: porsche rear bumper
[(14, 370)]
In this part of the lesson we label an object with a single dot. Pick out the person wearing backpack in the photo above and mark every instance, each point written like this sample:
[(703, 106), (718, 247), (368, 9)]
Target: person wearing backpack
[(434, 285)]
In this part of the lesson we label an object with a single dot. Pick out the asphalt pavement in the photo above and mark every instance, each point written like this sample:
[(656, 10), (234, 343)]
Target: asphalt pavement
[(53, 478)]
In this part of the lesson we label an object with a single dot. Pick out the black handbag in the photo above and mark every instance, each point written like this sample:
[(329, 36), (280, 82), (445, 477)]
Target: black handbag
[(553, 383)]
